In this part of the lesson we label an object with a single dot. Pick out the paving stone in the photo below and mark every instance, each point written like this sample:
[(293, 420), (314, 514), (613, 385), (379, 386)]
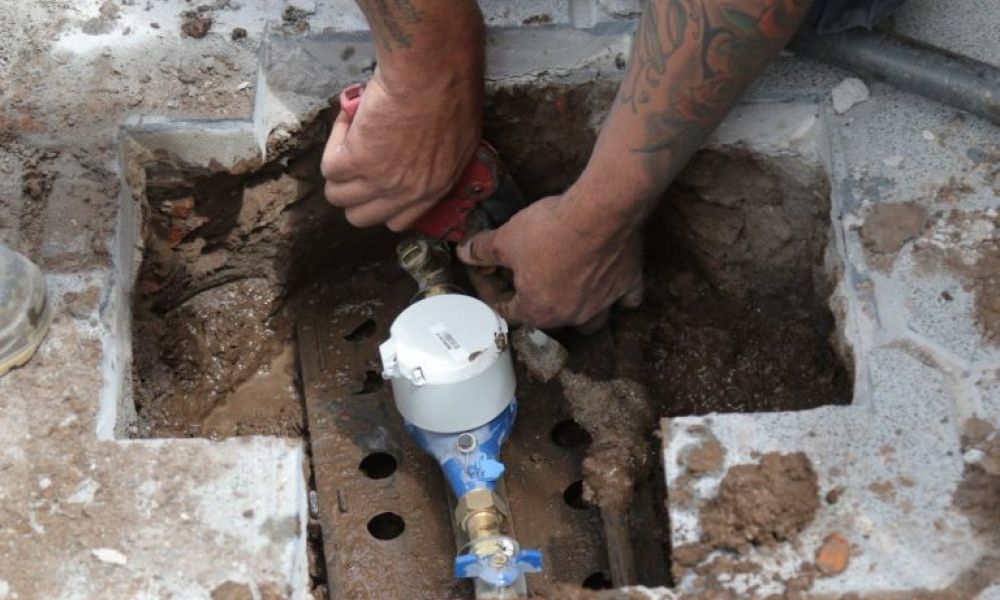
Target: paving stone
[(895, 463), (896, 453), (948, 26)]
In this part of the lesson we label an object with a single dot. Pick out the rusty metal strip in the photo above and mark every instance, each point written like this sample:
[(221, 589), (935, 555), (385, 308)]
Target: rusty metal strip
[(537, 476), (351, 415)]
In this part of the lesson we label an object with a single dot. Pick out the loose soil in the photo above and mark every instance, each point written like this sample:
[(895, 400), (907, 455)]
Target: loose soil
[(701, 351), (757, 505), (736, 315), (617, 415), (761, 504)]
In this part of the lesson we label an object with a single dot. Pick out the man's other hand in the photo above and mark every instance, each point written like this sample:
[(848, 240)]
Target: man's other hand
[(569, 268), (404, 150)]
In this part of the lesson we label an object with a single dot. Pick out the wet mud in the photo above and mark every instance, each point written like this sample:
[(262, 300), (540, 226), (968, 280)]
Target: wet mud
[(617, 415), (223, 248), (219, 364)]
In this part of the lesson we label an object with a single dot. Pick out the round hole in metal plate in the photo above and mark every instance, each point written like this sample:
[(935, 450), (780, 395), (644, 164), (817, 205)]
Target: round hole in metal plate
[(378, 465), (386, 526)]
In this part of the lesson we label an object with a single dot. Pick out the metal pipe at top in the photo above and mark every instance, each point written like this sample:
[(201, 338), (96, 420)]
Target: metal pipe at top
[(959, 81)]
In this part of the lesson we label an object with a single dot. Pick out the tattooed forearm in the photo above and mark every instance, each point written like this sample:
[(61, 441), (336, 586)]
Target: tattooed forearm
[(649, 53), (692, 59), (392, 21)]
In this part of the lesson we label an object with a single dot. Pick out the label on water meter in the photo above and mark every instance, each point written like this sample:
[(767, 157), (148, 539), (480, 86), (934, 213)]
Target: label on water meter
[(449, 342)]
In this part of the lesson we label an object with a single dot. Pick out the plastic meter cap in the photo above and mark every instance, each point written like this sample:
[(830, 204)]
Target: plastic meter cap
[(448, 363)]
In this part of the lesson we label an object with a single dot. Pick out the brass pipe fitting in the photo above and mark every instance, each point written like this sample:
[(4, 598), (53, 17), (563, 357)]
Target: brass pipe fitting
[(427, 262), (481, 513)]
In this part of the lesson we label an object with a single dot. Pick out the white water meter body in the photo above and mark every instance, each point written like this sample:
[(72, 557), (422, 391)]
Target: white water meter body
[(449, 364)]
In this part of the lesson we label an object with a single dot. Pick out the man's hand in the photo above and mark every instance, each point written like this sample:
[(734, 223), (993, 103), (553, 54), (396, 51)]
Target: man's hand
[(568, 268), (420, 117), (403, 151), (574, 256)]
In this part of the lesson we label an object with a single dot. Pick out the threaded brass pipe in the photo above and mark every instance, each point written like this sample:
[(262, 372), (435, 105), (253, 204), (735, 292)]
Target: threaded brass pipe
[(427, 262)]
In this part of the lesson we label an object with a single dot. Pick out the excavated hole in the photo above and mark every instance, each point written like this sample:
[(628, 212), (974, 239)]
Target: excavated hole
[(736, 316)]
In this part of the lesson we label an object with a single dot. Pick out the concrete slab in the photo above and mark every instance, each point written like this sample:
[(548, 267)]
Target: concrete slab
[(949, 26), (886, 467), (924, 360), (86, 519)]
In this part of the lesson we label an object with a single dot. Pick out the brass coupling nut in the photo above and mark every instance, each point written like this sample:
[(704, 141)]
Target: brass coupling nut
[(480, 512)]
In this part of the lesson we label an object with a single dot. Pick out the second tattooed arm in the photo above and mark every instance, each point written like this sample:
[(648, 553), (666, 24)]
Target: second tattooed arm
[(691, 61), (575, 255)]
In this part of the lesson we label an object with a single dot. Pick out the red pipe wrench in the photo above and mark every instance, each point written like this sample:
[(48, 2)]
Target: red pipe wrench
[(485, 196)]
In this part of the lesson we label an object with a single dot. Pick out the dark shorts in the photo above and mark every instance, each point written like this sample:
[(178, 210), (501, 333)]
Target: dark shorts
[(831, 16)]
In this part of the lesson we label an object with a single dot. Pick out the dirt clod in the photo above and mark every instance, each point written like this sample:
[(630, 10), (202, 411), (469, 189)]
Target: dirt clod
[(888, 226), (976, 431), (36, 185), (232, 590), (706, 457), (295, 20), (833, 555), (238, 33), (616, 414), (109, 10), (82, 305), (884, 490), (761, 504), (195, 24)]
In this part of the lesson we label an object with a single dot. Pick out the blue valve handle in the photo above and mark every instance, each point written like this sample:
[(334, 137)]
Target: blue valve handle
[(471, 565)]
